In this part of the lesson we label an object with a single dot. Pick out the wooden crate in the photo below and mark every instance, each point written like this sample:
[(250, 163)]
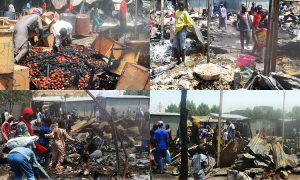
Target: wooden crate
[(134, 77), (6, 51), (17, 80)]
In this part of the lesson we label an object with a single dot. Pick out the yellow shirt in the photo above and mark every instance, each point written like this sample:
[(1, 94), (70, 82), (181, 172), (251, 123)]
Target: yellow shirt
[(182, 18)]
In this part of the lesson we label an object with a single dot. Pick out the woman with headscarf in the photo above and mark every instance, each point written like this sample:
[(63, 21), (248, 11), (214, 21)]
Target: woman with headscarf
[(5, 128), (24, 129), (202, 135)]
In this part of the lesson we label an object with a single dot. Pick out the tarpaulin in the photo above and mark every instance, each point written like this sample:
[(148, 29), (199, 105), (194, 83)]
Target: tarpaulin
[(58, 4)]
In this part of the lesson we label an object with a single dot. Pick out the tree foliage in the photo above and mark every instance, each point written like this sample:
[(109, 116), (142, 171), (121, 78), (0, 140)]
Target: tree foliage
[(10, 97), (172, 108), (137, 92), (215, 109), (203, 109), (296, 112)]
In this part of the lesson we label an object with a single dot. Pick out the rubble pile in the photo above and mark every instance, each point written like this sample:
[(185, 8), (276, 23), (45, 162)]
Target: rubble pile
[(259, 158)]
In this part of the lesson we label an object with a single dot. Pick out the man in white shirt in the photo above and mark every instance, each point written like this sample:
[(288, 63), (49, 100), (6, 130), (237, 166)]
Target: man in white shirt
[(38, 117), (62, 32), (233, 128), (11, 7)]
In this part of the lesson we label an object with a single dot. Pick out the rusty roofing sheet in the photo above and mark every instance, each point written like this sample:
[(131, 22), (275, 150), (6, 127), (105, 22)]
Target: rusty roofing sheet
[(281, 159), (259, 147)]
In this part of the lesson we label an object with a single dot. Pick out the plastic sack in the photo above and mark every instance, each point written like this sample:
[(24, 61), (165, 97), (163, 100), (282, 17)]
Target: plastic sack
[(168, 157), (262, 38), (20, 141), (241, 76), (246, 60)]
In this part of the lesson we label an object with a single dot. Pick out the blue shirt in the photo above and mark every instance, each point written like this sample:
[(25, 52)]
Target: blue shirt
[(44, 130), (28, 6), (161, 136), (28, 153)]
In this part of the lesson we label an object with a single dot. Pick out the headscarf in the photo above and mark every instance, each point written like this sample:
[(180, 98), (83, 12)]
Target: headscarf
[(36, 11), (39, 149)]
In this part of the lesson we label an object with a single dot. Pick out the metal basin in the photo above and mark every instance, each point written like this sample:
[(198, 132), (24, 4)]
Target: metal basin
[(208, 77)]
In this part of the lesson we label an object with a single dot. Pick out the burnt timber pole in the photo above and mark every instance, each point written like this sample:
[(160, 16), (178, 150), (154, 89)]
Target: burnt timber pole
[(115, 134), (272, 37), (162, 15), (135, 22), (208, 31), (184, 142), (283, 118), (219, 130)]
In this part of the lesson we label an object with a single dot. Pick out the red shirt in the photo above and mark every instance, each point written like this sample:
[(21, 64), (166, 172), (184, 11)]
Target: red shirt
[(5, 128), (124, 6), (256, 19), (68, 8), (44, 7)]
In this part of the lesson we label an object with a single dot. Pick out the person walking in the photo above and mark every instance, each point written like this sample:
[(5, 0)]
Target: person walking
[(38, 117), (45, 141), (162, 140), (243, 26), (223, 17)]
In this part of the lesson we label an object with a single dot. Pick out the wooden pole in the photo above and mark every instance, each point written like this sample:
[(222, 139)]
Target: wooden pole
[(162, 15), (135, 22), (273, 25), (219, 123), (283, 118), (199, 14), (208, 32), (184, 142)]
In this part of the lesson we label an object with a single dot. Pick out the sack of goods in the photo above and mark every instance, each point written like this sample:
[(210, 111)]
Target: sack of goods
[(20, 141)]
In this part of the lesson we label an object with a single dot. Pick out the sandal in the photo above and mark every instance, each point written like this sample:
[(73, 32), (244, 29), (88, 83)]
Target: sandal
[(59, 167)]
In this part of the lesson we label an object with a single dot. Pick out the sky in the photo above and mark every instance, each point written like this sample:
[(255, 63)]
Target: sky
[(232, 100)]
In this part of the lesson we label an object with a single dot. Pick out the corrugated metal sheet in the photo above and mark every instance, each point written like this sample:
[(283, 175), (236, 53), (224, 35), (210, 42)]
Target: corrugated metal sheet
[(47, 99), (163, 114), (260, 147), (229, 116), (125, 97), (281, 159), (231, 150)]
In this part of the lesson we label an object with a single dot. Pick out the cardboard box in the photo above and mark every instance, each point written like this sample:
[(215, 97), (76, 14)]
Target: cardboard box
[(6, 51), (134, 77), (18, 80)]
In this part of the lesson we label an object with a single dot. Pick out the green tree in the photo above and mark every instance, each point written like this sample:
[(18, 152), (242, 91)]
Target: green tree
[(278, 113), (9, 97), (258, 113), (270, 114), (137, 92), (248, 113), (215, 109), (296, 112), (172, 108), (203, 109), (289, 115), (190, 105)]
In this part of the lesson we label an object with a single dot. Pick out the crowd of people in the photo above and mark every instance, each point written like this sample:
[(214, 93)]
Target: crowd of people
[(20, 158)]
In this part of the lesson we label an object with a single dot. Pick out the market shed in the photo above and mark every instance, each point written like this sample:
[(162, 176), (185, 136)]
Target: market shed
[(241, 123), (172, 119)]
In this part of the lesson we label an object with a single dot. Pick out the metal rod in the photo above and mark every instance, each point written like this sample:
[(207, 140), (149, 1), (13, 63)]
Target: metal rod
[(283, 118), (219, 133), (135, 22), (162, 15), (208, 32), (113, 128), (199, 14)]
